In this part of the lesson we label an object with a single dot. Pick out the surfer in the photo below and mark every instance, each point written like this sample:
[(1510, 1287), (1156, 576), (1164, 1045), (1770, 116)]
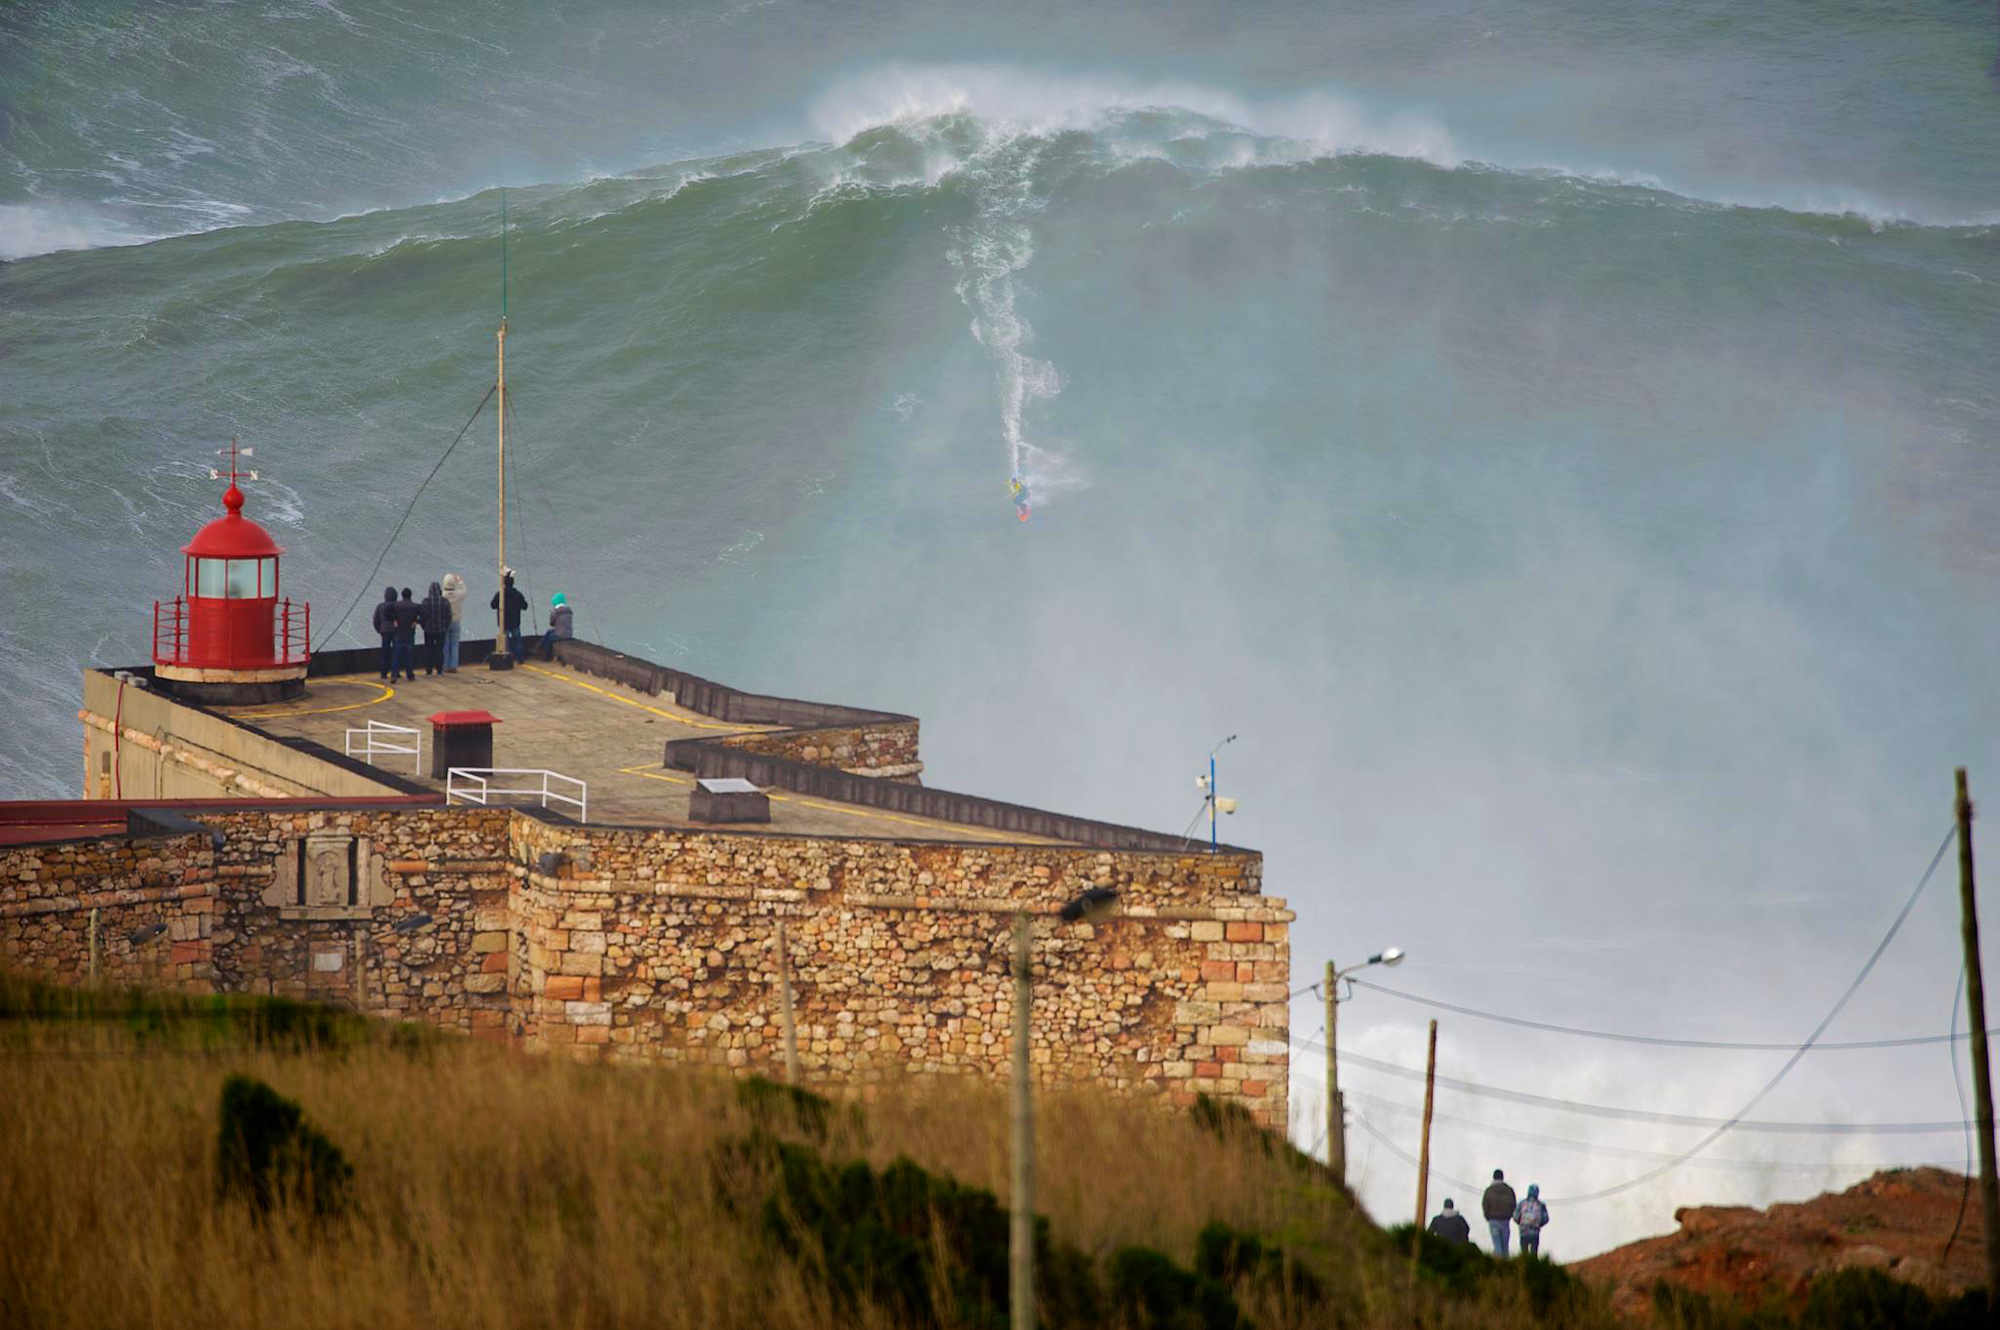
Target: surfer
[(1019, 493)]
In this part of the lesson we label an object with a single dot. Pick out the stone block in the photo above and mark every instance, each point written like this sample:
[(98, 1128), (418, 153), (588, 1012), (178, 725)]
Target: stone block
[(587, 942), (495, 963), (486, 983), (1226, 1034), (1197, 1013), (489, 942), (577, 962), (1206, 930), (587, 1013), (1219, 971)]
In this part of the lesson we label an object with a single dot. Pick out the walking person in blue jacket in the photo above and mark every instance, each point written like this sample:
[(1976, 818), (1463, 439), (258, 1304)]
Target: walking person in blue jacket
[(1533, 1216)]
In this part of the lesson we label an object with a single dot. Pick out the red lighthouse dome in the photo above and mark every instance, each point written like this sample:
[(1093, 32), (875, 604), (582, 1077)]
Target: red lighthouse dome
[(228, 637)]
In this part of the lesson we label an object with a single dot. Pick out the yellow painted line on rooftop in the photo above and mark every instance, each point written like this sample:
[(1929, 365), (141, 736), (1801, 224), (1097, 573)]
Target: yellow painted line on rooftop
[(385, 695), (655, 775), (677, 717)]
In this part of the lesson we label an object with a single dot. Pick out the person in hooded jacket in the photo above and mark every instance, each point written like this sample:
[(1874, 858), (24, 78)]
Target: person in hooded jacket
[(1532, 1214), (510, 619), (562, 625), (407, 614), (385, 624), (1451, 1226), (454, 594), (435, 615)]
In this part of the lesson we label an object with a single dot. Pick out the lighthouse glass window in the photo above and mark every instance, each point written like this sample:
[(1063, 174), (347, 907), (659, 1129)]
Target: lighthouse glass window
[(243, 579), (209, 578)]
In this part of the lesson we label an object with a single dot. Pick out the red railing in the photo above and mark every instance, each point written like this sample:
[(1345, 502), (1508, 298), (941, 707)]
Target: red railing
[(172, 649), (291, 637), (294, 632)]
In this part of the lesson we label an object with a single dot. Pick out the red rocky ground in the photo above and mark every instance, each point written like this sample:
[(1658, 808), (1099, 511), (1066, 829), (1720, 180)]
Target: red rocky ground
[(1896, 1221)]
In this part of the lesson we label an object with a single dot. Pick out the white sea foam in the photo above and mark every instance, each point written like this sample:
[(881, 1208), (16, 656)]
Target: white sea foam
[(26, 231)]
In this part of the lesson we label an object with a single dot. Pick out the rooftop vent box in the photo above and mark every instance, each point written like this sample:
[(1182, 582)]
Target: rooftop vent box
[(728, 799)]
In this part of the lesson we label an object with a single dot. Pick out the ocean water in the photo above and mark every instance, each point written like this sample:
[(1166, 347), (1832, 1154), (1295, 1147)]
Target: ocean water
[(1558, 439)]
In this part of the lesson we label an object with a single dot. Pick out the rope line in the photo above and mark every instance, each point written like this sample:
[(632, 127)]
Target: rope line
[(1908, 1041), (410, 508)]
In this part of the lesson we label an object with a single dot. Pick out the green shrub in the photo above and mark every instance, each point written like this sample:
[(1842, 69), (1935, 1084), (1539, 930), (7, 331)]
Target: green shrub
[(773, 1106), (920, 1245), (1231, 1256), (269, 1155), (1151, 1290), (1873, 1300)]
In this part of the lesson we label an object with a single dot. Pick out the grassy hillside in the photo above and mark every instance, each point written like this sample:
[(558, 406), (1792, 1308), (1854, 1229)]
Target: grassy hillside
[(491, 1189)]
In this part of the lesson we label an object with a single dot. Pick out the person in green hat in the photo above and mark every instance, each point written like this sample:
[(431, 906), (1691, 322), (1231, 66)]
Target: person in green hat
[(562, 625)]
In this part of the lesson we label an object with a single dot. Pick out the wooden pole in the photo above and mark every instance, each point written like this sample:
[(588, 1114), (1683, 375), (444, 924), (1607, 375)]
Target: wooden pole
[(1424, 1154), (1021, 1262), (93, 944), (1982, 1073), (500, 381), (1336, 1125), (788, 1021)]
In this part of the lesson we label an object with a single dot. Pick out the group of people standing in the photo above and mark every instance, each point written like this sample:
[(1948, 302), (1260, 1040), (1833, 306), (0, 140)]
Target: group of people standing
[(1530, 1214), (440, 615)]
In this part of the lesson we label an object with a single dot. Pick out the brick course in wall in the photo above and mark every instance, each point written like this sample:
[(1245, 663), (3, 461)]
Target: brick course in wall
[(660, 943)]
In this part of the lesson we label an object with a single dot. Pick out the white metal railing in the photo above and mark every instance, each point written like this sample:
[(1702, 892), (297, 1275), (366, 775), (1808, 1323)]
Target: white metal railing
[(379, 736), (475, 785)]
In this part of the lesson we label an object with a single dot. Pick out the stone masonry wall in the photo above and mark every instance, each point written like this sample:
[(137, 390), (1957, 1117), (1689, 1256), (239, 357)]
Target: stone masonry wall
[(442, 874), (659, 944), (887, 749), (48, 891)]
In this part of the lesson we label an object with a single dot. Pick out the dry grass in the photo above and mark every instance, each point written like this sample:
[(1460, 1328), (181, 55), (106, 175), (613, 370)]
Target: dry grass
[(494, 1189)]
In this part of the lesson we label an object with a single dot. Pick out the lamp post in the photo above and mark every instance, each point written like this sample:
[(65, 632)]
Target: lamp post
[(1088, 907), (1336, 1124)]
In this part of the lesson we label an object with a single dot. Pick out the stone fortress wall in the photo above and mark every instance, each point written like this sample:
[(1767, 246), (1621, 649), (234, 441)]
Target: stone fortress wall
[(308, 874), (635, 943)]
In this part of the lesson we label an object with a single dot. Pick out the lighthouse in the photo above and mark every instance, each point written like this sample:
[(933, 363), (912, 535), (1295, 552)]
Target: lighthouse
[(228, 637)]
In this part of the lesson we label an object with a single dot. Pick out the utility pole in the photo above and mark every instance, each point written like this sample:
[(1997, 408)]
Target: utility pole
[(1982, 1074), (1336, 1118), (1424, 1154), (502, 659), (788, 1021), (93, 944), (1021, 1201)]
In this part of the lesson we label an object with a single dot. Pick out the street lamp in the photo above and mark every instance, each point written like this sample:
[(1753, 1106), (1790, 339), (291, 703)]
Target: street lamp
[(1087, 907), (1336, 1124)]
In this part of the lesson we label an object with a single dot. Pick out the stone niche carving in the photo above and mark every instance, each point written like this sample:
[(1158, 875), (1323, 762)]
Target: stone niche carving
[(328, 875)]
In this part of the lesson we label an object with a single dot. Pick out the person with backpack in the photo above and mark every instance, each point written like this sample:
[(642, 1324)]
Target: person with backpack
[(1533, 1216), (1498, 1207), (435, 615), (385, 624), (1450, 1226), (406, 614)]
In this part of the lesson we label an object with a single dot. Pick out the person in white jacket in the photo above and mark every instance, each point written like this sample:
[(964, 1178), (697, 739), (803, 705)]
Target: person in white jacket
[(454, 592)]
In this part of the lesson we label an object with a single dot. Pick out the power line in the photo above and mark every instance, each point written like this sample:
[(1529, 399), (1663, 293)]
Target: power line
[(1472, 1188), (410, 508), (1593, 1147), (1908, 1041), (1866, 969), (1639, 1114)]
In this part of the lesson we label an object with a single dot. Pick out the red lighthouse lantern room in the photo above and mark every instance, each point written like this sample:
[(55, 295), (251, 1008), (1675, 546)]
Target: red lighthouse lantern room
[(228, 638)]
